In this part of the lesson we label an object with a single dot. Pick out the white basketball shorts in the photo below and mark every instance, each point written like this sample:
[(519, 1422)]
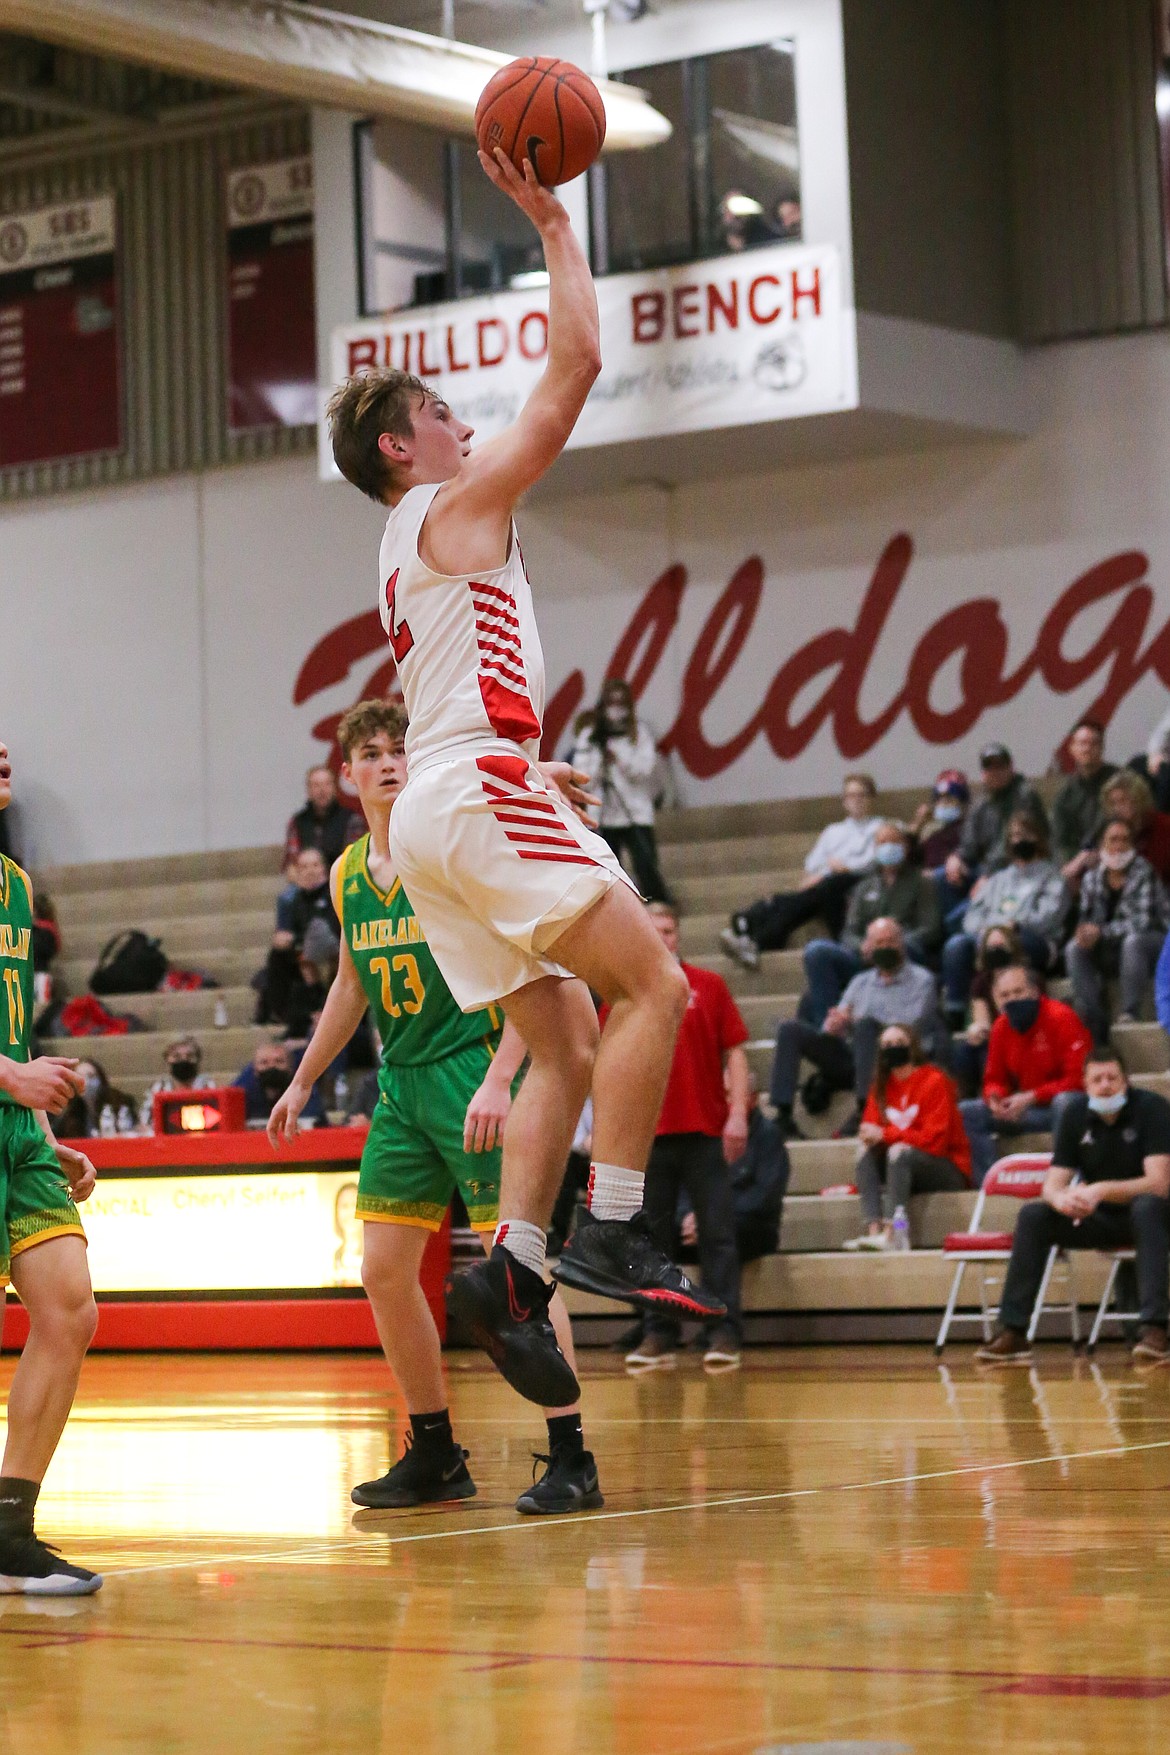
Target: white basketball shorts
[(496, 866)]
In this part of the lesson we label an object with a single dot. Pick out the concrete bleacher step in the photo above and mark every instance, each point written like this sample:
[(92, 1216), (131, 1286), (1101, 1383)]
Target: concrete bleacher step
[(185, 937), (779, 972), (827, 1163), (724, 890), (141, 1053), (723, 822), (1145, 1047), (210, 896), (746, 854), (171, 1013), (837, 1281), (107, 874), (817, 1222), (231, 968)]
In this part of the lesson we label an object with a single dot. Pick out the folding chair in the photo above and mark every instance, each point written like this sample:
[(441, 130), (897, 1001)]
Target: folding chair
[(1022, 1177), (1115, 1257)]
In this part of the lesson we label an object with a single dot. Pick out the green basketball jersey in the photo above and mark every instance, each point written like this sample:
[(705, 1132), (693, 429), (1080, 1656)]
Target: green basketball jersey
[(16, 964), (418, 1021)]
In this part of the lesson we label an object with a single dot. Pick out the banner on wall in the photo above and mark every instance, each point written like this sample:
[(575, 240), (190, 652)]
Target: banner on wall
[(758, 336), (272, 339), (59, 325)]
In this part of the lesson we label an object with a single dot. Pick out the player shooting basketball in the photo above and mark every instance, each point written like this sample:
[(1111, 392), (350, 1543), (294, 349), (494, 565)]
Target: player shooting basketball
[(514, 893)]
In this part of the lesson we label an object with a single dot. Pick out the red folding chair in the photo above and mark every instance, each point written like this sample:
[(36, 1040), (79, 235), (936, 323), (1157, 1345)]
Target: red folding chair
[(1020, 1176)]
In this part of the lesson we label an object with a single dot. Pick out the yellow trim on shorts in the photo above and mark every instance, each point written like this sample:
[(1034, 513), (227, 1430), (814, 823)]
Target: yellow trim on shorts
[(399, 1219), (19, 1248)]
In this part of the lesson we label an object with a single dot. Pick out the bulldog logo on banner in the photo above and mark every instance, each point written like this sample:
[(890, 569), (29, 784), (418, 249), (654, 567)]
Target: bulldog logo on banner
[(827, 676)]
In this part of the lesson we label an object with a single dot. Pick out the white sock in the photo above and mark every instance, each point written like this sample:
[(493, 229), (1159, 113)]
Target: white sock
[(614, 1193), (523, 1240)]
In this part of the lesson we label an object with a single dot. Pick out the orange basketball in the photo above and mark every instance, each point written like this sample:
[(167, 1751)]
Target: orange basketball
[(544, 110)]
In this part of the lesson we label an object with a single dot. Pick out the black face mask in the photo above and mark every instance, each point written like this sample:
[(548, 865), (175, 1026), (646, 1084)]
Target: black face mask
[(887, 959), (1023, 849), (183, 1071), (997, 957), (896, 1055), (1021, 1014), (274, 1082)]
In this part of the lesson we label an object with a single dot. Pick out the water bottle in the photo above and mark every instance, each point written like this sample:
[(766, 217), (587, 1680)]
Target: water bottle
[(146, 1114), (125, 1123), (221, 1013), (900, 1232), (107, 1125), (341, 1093)]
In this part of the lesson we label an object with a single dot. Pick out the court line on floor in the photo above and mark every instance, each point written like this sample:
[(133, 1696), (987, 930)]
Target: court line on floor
[(327, 1546)]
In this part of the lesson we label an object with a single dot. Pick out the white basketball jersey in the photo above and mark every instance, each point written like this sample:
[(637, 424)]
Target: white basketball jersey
[(467, 649)]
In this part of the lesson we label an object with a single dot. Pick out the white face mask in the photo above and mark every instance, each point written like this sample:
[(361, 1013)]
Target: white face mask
[(947, 811), (1117, 861)]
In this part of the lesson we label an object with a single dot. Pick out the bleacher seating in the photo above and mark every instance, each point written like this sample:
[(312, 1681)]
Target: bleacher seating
[(215, 912)]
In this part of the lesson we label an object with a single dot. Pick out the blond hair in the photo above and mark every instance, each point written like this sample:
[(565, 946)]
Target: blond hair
[(374, 402)]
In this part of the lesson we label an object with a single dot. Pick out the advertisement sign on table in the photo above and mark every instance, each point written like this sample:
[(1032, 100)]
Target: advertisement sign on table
[(272, 341), (59, 326), (758, 336)]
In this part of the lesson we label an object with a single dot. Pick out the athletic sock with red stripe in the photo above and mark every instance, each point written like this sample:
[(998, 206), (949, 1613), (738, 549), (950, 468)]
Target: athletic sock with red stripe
[(523, 1240), (614, 1193)]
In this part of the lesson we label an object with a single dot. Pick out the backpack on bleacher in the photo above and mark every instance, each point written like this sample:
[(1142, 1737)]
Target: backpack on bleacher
[(131, 962)]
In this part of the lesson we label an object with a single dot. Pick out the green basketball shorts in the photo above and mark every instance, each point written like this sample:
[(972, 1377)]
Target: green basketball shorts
[(35, 1203), (414, 1158)]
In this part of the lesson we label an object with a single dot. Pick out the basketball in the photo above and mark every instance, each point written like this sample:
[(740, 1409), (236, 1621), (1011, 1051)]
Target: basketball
[(545, 110)]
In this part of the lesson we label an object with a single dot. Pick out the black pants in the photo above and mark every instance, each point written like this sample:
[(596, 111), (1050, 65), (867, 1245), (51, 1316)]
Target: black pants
[(695, 1162), (575, 1179), (639, 842), (847, 1063), (1143, 1225), (770, 922)]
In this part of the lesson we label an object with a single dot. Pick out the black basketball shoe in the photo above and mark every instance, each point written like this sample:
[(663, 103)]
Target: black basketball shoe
[(418, 1479), (31, 1568), (569, 1483), (618, 1258), (504, 1307)]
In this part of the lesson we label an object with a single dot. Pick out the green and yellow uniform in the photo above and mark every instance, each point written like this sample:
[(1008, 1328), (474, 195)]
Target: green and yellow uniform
[(34, 1196), (434, 1058)]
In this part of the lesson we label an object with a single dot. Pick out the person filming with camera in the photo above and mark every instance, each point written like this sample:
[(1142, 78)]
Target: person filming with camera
[(620, 756)]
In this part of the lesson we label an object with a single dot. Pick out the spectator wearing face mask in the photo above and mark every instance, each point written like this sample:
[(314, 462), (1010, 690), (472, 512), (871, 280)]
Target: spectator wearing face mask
[(841, 854), (999, 946), (1035, 1057), (1026, 893), (266, 1078), (619, 754), (937, 827), (81, 1116), (912, 1135), (183, 1059), (1124, 914), (892, 990), (983, 847), (1127, 796), (1107, 1188), (894, 890)]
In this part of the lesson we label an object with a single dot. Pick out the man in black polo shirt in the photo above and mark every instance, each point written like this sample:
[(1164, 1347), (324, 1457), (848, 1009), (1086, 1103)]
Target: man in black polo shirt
[(1116, 1140)]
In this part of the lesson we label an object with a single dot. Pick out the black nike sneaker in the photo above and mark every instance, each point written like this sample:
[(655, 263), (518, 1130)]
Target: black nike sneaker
[(32, 1568), (504, 1307), (569, 1483), (416, 1479), (618, 1258)]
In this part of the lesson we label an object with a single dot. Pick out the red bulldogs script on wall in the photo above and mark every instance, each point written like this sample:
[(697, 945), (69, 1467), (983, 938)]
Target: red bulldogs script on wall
[(974, 633)]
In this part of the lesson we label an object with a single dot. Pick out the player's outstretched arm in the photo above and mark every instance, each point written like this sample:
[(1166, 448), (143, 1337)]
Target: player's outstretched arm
[(498, 472)]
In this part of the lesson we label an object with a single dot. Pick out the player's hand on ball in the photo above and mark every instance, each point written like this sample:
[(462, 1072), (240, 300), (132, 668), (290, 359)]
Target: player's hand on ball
[(529, 194), (573, 786), (78, 1172), (283, 1123), (483, 1125)]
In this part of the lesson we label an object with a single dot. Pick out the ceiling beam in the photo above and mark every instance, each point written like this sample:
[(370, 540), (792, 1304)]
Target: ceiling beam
[(47, 100)]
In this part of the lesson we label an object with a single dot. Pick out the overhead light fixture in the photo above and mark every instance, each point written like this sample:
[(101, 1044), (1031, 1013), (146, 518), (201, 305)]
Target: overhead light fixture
[(742, 206), (533, 277)]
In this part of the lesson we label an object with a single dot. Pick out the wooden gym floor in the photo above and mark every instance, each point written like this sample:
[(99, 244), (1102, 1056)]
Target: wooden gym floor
[(847, 1550)]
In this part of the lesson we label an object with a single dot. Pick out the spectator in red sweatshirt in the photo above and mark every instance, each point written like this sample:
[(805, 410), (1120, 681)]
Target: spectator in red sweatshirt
[(913, 1134), (1035, 1062)]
